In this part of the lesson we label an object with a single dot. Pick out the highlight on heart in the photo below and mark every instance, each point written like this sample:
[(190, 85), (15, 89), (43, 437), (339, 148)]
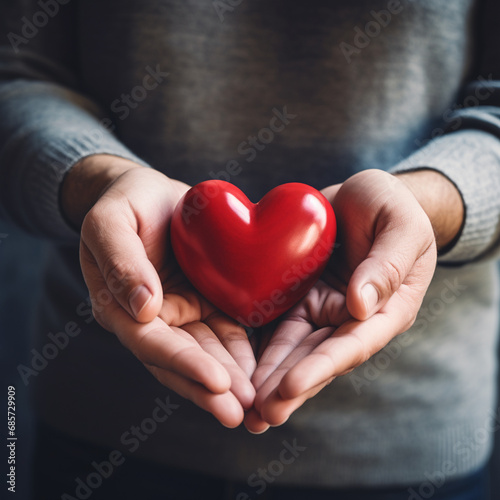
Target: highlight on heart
[(254, 261)]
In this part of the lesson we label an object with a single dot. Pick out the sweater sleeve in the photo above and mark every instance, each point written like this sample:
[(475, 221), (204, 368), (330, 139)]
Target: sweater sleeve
[(48, 124), (471, 160), (468, 152)]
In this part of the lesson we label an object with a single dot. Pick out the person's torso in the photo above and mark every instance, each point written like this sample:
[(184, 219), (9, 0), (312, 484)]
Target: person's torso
[(272, 92)]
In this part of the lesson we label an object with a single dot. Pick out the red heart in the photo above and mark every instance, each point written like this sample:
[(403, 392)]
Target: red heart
[(253, 261)]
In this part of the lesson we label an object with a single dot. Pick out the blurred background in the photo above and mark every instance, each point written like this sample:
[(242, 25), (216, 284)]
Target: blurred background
[(21, 260)]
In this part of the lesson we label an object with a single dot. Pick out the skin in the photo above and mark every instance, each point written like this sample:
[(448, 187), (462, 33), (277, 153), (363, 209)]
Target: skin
[(388, 240), (180, 338), (391, 228)]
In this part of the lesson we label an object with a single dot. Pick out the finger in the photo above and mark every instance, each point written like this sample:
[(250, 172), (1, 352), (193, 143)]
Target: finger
[(241, 386), (310, 342), (111, 242), (220, 336), (171, 348), (348, 347), (276, 410), (235, 340), (176, 350), (158, 344), (322, 306), (265, 334), (104, 305), (254, 422), (224, 407), (182, 307), (287, 337), (401, 242), (331, 191)]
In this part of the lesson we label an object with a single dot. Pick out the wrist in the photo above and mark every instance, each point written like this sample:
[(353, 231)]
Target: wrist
[(87, 180), (441, 201)]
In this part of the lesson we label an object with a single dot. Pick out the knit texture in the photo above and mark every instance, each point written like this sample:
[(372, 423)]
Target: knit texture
[(456, 155), (53, 128), (260, 94)]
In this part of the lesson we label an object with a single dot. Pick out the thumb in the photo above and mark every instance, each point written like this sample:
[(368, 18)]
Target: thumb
[(113, 251), (398, 256)]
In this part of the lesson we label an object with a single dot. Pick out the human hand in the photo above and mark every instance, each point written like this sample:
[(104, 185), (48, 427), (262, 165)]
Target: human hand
[(372, 291), (138, 292)]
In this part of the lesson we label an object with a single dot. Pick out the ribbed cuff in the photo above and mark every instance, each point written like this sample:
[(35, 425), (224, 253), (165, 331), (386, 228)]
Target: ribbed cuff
[(52, 129), (471, 160), (42, 187)]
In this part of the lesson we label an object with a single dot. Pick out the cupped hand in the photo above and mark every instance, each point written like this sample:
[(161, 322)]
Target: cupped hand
[(372, 291), (138, 293)]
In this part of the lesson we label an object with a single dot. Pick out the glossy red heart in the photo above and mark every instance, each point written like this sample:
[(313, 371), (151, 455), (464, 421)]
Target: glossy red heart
[(253, 261)]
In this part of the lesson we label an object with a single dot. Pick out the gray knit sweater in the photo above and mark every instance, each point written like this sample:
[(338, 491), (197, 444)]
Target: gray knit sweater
[(261, 93)]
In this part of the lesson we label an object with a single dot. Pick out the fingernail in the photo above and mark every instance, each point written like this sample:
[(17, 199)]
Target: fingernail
[(138, 299), (256, 433), (281, 423), (370, 297)]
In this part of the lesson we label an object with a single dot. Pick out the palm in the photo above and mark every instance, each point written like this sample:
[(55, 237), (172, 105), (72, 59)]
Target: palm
[(202, 329), (314, 343), (295, 341), (333, 330), (181, 338)]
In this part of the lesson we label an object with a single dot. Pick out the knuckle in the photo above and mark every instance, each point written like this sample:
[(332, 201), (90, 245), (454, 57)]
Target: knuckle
[(92, 221), (234, 336), (117, 273), (363, 357), (362, 353), (392, 275)]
